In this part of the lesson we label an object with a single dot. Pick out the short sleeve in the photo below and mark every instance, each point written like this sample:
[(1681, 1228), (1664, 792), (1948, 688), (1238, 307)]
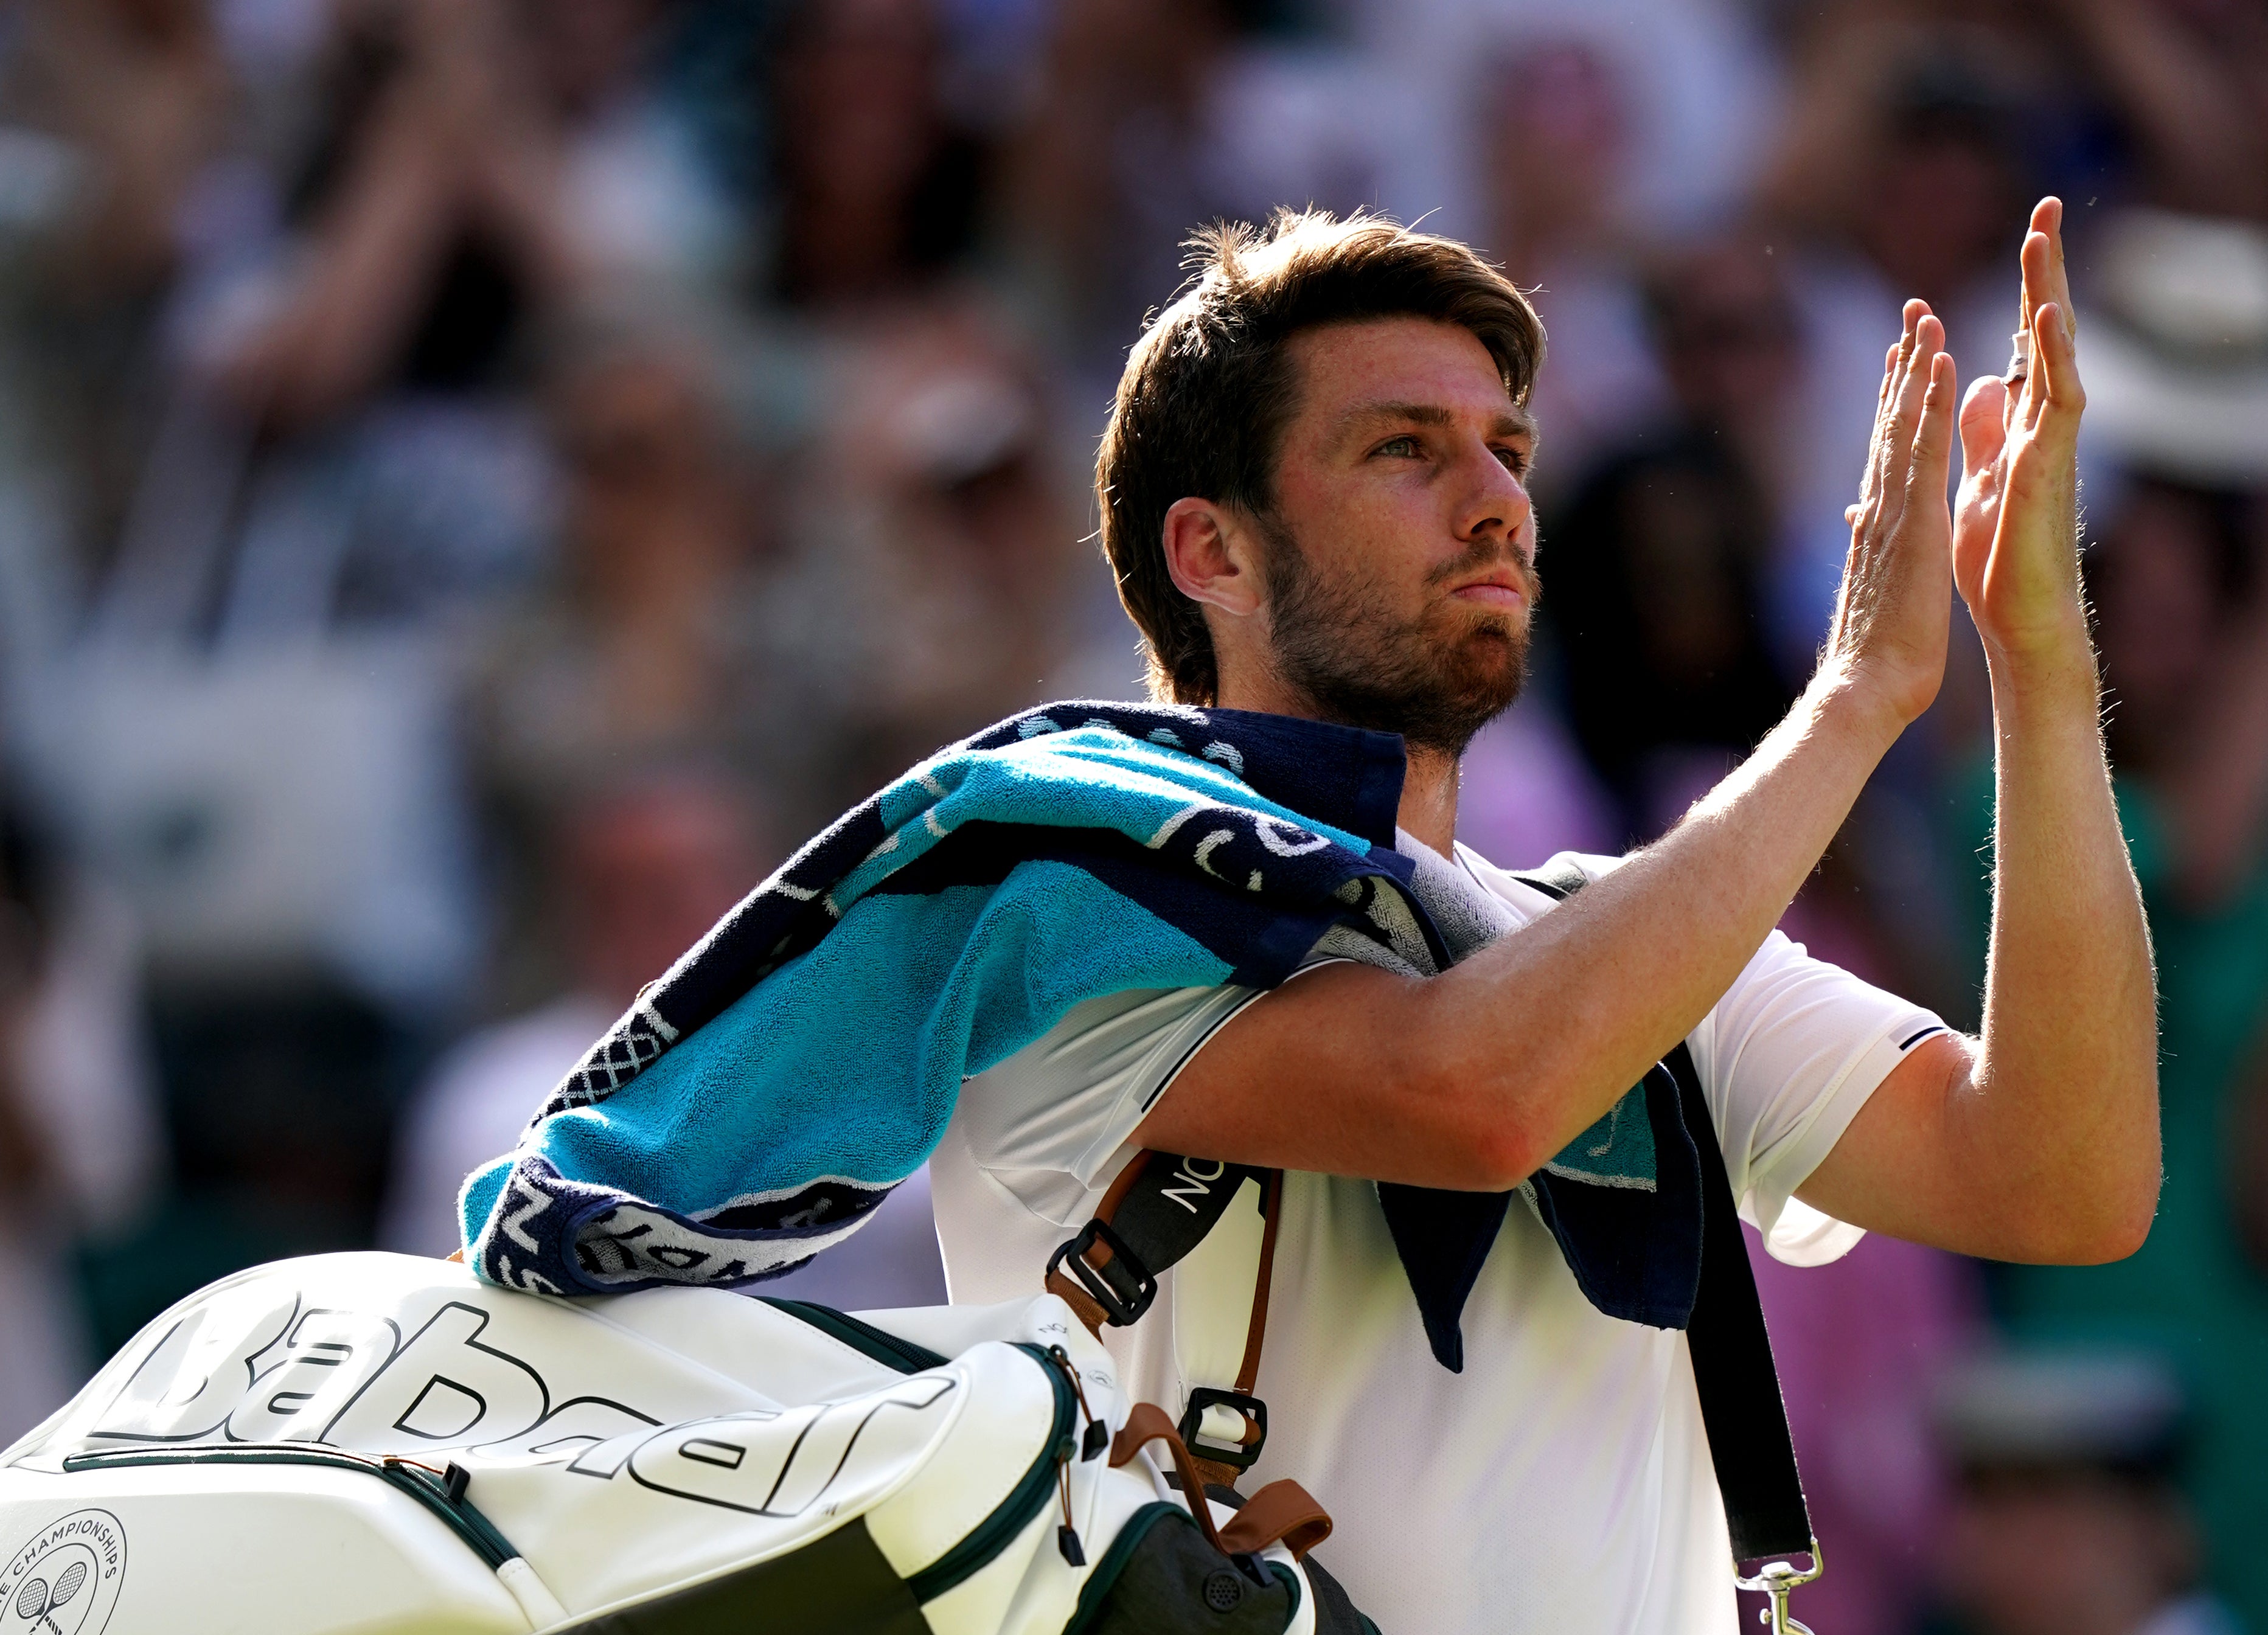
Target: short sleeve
[(1048, 1122), (1788, 1056)]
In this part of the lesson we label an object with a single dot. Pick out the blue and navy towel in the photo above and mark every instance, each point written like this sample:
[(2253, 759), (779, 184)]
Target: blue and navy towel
[(758, 1102)]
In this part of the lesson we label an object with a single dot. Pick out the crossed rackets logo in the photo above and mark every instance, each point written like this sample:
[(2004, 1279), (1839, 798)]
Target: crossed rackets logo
[(39, 1602), (65, 1579)]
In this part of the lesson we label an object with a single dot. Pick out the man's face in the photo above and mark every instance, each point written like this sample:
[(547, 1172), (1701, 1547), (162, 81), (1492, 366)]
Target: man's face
[(1400, 549)]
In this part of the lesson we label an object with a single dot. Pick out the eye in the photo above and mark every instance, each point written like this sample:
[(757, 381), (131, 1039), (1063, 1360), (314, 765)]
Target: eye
[(1400, 447), (1516, 459)]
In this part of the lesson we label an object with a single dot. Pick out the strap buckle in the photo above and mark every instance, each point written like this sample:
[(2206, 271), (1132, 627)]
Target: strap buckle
[(1237, 1455), (1123, 1288), (1776, 1579)]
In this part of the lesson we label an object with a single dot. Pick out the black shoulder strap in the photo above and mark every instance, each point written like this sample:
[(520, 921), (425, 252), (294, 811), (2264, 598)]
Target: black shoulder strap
[(1732, 1368)]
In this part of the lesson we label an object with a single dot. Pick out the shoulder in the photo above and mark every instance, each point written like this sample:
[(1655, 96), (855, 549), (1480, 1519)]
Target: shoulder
[(1506, 886)]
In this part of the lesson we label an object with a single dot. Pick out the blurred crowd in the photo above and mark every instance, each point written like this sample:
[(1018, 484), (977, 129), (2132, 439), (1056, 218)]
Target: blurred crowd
[(481, 479)]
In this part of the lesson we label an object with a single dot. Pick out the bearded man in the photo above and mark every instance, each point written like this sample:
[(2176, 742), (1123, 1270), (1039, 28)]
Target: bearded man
[(1313, 493), (1236, 924)]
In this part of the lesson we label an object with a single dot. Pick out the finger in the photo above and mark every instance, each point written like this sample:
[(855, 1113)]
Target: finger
[(1933, 443), (1924, 342), (1875, 436), (1875, 484), (2056, 362), (2047, 219), (1984, 423)]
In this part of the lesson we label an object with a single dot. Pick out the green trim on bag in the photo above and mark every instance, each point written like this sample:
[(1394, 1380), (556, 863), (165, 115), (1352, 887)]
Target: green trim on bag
[(1100, 1582), (478, 1533), (862, 1337), (1013, 1514)]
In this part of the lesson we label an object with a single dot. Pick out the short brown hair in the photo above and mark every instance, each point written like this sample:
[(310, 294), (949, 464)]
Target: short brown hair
[(1208, 388)]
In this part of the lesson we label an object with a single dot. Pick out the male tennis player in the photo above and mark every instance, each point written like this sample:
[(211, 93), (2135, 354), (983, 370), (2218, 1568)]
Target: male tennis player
[(1313, 494)]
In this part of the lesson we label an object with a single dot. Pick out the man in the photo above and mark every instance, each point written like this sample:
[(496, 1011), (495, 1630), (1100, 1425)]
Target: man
[(1313, 496), (1196, 926)]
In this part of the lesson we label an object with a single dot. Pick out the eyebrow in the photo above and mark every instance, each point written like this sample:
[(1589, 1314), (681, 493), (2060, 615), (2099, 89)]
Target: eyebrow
[(1512, 423)]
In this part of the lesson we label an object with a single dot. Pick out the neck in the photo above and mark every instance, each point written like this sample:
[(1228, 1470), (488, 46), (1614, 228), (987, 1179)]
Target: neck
[(1428, 799), (1428, 812)]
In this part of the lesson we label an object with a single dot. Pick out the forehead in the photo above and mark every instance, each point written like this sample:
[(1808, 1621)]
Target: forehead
[(1341, 367)]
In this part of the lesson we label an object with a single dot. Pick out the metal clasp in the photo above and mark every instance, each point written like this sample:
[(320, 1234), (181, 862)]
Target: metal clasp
[(1123, 1286), (1776, 1579)]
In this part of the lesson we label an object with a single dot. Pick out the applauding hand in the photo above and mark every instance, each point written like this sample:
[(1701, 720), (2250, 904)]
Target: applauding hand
[(2015, 532), (1888, 634)]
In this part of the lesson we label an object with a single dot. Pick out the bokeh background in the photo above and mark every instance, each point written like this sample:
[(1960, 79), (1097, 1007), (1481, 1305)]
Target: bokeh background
[(480, 480)]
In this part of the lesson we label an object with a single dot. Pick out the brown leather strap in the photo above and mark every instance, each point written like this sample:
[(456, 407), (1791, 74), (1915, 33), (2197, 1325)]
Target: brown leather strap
[(1215, 1473), (1148, 1424), (1271, 1211), (1248, 1371), (1082, 1304), (1282, 1512)]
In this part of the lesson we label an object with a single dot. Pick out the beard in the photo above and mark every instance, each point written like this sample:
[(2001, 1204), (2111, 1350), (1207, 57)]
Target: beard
[(1437, 679)]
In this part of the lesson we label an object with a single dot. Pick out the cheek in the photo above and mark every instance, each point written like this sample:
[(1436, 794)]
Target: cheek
[(1368, 535)]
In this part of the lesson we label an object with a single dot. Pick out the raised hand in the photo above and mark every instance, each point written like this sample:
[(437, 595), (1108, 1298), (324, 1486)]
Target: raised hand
[(2015, 538), (1891, 617)]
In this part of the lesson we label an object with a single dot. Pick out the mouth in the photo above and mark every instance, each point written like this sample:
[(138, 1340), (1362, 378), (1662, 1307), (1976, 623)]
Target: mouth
[(1498, 590)]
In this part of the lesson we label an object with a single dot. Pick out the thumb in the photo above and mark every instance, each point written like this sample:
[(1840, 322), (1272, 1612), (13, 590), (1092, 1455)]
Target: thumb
[(1984, 427)]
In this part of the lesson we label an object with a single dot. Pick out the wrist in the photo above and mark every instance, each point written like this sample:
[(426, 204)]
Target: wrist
[(1844, 699), (2056, 665)]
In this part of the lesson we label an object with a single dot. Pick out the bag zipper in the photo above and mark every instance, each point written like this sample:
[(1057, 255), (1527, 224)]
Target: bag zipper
[(441, 1491), (1009, 1518), (864, 1337)]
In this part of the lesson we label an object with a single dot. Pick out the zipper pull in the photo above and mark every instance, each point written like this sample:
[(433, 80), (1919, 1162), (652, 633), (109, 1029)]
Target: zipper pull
[(1098, 1434), (1067, 1535)]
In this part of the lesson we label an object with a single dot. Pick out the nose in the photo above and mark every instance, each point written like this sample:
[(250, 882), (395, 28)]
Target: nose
[(1492, 501)]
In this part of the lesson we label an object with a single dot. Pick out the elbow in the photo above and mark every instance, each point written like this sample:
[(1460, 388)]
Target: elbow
[(2126, 1229), (1480, 1139), (2116, 1225), (1502, 1156)]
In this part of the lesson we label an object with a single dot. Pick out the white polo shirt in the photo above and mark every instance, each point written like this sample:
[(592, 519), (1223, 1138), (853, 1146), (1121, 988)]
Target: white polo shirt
[(1561, 1482)]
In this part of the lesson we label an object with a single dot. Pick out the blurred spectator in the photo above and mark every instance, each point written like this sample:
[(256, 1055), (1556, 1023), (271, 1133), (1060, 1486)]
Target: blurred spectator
[(1657, 567), (644, 641), (1901, 174), (932, 552), (2070, 1520), (879, 188), (1701, 96), (114, 110), (481, 160), (2189, 82), (1110, 171), (1554, 132), (79, 1141), (1155, 117)]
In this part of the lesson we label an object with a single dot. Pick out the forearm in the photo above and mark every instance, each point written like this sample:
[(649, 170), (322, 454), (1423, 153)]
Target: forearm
[(1631, 966), (2061, 1106), (1475, 1077)]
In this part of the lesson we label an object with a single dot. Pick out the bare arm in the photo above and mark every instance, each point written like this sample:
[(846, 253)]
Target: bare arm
[(1473, 1078), (2039, 1141)]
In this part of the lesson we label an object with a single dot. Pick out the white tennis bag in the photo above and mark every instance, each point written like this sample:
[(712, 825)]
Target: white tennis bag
[(379, 1443)]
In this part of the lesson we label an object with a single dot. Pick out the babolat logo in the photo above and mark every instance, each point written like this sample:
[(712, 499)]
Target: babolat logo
[(64, 1580)]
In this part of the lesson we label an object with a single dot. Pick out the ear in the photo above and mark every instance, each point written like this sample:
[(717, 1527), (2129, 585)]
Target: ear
[(1209, 553)]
